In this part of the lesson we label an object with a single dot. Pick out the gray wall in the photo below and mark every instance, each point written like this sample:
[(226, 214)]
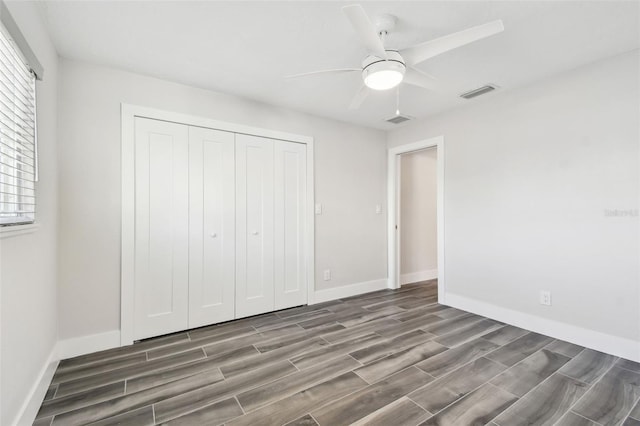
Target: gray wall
[(29, 318), (529, 174), (350, 176)]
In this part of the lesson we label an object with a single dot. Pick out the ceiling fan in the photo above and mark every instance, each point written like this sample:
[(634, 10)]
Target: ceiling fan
[(384, 68)]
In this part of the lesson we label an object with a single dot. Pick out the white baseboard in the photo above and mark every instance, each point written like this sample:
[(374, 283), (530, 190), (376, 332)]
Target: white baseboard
[(614, 345), (83, 345), (415, 277), (32, 402), (348, 290)]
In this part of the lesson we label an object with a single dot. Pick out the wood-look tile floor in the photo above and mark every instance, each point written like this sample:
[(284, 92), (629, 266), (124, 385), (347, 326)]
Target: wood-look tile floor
[(393, 357)]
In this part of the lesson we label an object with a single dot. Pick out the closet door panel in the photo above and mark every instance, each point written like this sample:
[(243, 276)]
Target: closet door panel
[(254, 225), (211, 226), (290, 201), (161, 228)]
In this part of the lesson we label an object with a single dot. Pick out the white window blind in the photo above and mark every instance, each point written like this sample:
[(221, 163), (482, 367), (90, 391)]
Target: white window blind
[(18, 154)]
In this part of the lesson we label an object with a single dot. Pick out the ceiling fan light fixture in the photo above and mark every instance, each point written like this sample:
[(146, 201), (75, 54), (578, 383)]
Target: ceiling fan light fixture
[(381, 74), (383, 79)]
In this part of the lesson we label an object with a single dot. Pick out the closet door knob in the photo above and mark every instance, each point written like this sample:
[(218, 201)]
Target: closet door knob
[(213, 235), (255, 232)]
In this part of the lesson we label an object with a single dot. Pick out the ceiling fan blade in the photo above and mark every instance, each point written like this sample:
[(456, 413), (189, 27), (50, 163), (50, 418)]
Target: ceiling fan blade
[(365, 29), (415, 77), (333, 71), (421, 52), (359, 97)]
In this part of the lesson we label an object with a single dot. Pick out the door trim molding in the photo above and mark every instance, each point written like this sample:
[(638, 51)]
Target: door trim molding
[(128, 114), (393, 200)]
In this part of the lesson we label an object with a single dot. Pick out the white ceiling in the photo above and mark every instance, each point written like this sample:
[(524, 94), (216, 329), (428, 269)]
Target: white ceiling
[(245, 48)]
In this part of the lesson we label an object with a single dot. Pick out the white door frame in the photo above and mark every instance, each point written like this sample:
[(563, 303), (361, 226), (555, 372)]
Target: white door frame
[(393, 200), (128, 114)]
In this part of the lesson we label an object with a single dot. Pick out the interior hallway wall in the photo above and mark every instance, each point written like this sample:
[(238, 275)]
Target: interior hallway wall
[(418, 227)]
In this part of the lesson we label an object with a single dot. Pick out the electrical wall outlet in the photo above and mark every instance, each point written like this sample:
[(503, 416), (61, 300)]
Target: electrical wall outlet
[(327, 274), (545, 298), (378, 209), (318, 208)]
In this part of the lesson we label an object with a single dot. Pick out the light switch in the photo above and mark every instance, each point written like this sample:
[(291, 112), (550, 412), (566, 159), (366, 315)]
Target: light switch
[(378, 209), (318, 208)]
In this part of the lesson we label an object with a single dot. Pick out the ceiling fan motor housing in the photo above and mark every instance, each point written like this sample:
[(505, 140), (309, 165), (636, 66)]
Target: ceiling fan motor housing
[(382, 74)]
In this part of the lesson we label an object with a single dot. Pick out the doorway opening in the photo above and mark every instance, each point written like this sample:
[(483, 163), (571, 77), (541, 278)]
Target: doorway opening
[(416, 214)]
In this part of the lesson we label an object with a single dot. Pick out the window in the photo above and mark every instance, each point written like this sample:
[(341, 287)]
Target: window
[(18, 154)]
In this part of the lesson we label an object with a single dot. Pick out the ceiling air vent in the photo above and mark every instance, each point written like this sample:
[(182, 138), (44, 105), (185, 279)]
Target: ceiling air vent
[(479, 91), (397, 119)]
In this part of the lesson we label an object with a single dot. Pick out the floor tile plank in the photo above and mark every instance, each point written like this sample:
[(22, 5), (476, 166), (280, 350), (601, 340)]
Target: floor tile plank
[(88, 382), (452, 359), (450, 325), (97, 368), (300, 336), (519, 349), (263, 395), (195, 399), (588, 366), (299, 404), (450, 388), (358, 330), (50, 392), (505, 335), (468, 332), (398, 361), (44, 421), (161, 377), (303, 421), (214, 414), (389, 346), (140, 399), (82, 399), (611, 399), (477, 408), (401, 412), (572, 419), (139, 417), (392, 330), (195, 344), (110, 354), (635, 413), (359, 404), (629, 365), (419, 312), (261, 359), (564, 348), (324, 353), (530, 372), (546, 404)]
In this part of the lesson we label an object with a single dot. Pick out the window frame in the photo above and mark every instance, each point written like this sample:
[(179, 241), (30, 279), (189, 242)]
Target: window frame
[(18, 159)]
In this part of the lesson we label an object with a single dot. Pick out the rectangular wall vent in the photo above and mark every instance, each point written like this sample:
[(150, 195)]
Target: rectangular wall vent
[(479, 91), (397, 119)]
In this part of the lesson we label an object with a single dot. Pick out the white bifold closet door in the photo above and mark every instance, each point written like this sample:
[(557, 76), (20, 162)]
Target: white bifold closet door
[(254, 226), (161, 227), (220, 226), (290, 182), (211, 226), (270, 220)]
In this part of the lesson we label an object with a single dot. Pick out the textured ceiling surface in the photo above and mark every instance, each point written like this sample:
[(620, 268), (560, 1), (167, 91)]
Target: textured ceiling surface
[(246, 48)]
